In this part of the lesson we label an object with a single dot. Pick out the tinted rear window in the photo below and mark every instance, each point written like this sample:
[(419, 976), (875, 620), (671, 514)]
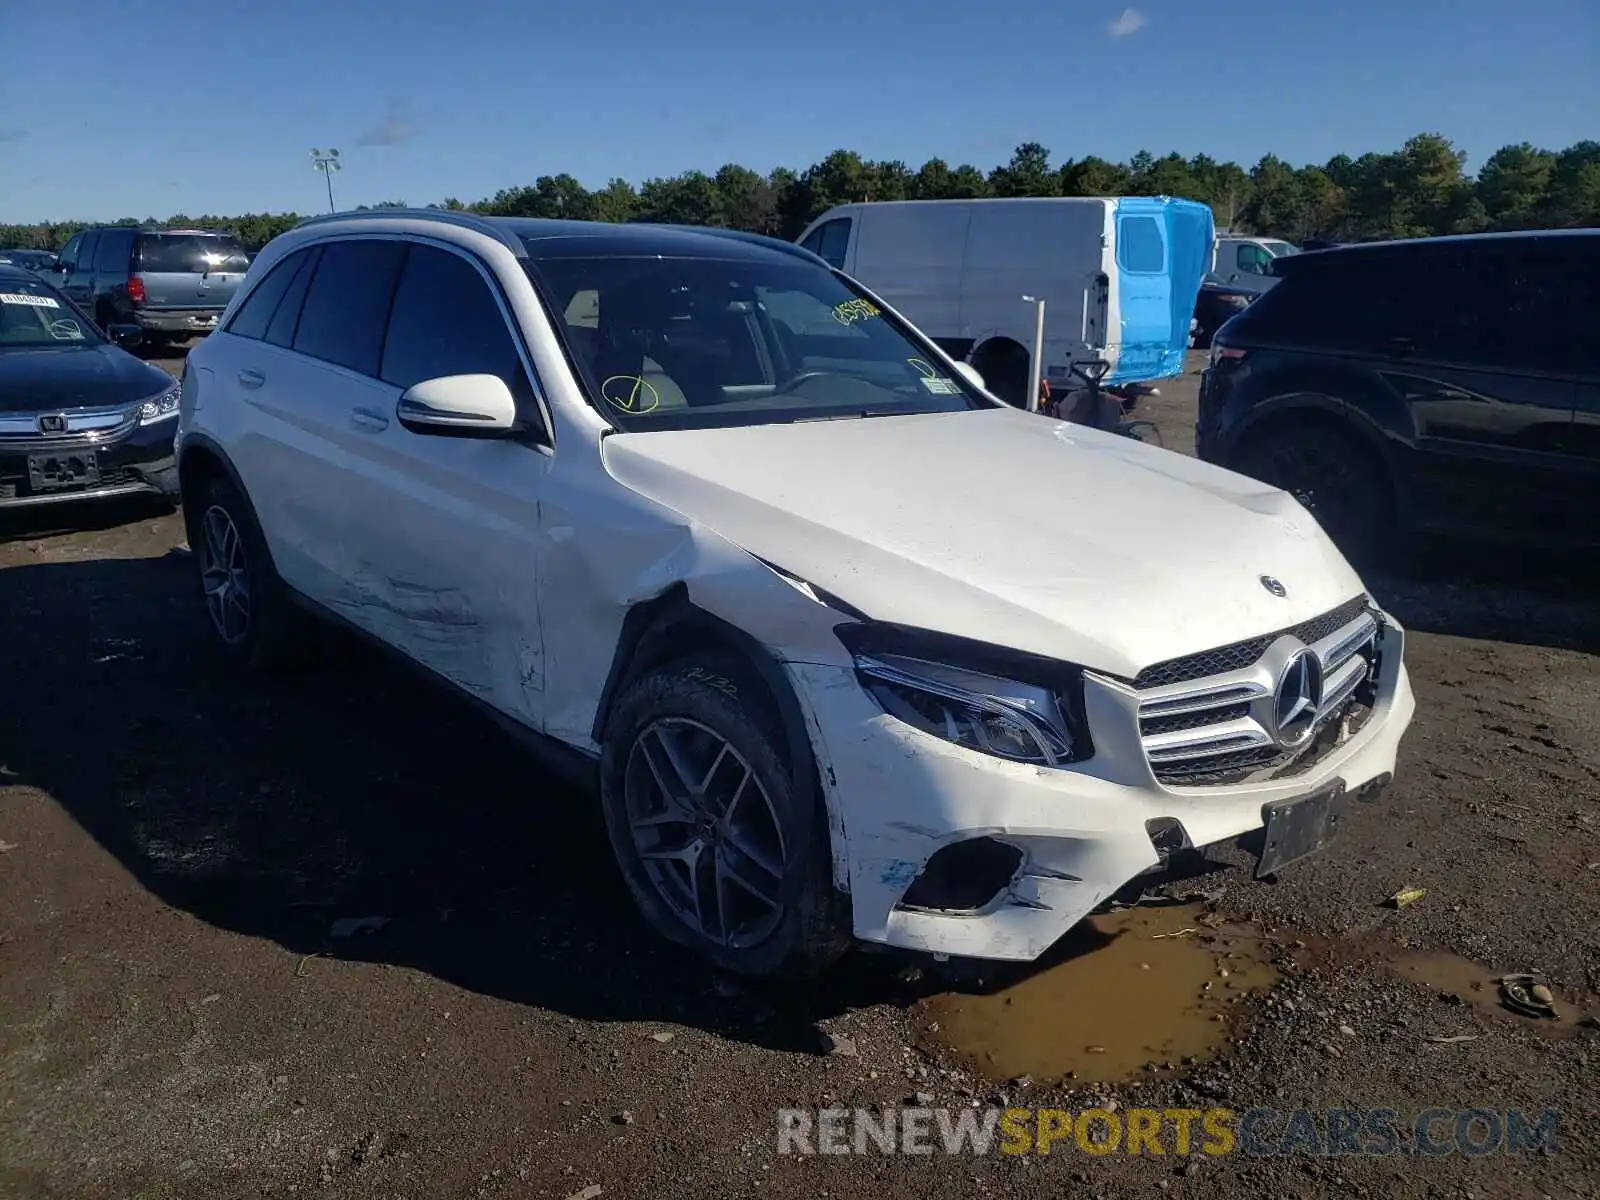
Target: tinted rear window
[(180, 253)]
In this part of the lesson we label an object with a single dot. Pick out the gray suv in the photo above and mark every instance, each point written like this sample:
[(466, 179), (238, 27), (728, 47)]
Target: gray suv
[(172, 283)]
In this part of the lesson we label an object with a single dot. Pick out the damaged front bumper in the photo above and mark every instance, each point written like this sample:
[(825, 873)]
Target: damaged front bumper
[(952, 852)]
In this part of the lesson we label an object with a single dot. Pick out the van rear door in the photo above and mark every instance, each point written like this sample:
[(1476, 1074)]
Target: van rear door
[(1162, 249), (189, 270)]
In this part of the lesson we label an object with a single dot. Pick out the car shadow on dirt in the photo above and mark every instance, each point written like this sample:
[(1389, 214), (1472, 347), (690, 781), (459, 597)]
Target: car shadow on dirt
[(357, 799), (357, 813), (1504, 594)]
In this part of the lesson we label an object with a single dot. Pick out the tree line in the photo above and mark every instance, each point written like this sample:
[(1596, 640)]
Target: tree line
[(1422, 189)]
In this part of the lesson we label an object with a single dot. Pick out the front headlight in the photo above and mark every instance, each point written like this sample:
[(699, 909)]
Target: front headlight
[(161, 407), (1002, 717), (991, 699)]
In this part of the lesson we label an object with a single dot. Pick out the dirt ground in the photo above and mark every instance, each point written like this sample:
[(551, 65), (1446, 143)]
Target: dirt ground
[(181, 851)]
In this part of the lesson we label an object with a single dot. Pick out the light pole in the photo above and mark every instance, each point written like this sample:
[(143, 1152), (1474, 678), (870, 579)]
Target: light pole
[(326, 163), (1036, 359)]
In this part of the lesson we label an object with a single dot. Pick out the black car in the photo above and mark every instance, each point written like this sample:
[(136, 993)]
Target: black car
[(34, 260), (1217, 302), (80, 418), (1441, 385)]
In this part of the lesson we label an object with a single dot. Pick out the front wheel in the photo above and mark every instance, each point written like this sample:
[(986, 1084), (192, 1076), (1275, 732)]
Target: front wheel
[(721, 849), (1338, 480)]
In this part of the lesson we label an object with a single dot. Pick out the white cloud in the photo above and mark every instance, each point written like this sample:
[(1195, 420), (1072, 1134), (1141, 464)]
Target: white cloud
[(1128, 24)]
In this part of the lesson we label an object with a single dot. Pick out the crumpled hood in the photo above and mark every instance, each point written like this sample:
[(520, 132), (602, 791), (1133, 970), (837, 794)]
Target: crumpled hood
[(1004, 527), (68, 377)]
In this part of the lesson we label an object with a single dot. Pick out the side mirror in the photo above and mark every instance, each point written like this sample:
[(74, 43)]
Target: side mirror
[(127, 336), (474, 406), (970, 374)]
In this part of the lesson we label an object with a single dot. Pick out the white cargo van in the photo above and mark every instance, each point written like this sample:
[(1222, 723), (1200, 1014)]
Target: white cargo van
[(1118, 276)]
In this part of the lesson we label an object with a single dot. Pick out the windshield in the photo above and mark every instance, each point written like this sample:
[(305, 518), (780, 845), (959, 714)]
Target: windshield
[(1281, 249), (190, 254), (677, 343), (34, 314)]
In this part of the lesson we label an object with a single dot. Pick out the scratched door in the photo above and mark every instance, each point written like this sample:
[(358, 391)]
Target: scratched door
[(450, 540)]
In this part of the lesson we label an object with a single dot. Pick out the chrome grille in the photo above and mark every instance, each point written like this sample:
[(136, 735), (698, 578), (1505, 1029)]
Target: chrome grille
[(1243, 654), (20, 433), (1222, 725)]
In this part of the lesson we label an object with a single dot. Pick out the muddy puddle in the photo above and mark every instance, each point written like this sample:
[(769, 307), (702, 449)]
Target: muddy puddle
[(1138, 987), (1477, 986)]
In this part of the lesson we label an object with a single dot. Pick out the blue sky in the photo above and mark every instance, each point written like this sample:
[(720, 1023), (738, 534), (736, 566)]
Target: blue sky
[(214, 112)]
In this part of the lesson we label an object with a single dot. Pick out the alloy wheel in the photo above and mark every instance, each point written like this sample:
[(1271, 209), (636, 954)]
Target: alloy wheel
[(1322, 483), (225, 575), (706, 831)]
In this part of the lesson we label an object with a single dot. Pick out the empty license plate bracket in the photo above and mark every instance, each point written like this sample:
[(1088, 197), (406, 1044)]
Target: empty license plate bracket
[(1300, 827), (68, 469)]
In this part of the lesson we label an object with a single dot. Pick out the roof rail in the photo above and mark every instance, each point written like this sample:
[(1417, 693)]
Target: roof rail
[(450, 216), (758, 239)]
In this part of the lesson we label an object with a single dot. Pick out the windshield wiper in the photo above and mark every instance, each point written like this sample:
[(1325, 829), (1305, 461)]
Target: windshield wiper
[(863, 414)]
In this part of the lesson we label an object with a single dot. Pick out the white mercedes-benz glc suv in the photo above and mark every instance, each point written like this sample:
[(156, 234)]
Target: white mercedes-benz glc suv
[(846, 647)]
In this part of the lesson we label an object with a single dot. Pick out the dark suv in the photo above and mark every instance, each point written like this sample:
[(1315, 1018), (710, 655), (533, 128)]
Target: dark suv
[(1443, 385), (172, 283)]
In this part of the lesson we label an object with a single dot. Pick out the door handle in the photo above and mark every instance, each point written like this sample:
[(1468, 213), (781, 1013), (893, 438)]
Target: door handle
[(369, 418), (251, 379)]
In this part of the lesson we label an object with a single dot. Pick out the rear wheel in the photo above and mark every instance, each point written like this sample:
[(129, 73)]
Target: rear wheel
[(1338, 480), (721, 849)]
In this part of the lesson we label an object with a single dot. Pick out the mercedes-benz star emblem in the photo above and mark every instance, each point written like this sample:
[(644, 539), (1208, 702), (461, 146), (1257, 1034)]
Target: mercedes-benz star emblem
[(1297, 702), (1273, 586), (54, 423)]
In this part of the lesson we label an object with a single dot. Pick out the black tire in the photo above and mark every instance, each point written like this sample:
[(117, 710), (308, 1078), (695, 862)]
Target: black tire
[(274, 633), (1340, 482), (809, 925)]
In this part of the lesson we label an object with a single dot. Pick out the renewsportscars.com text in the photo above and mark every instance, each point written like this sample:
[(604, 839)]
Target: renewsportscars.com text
[(1256, 1132)]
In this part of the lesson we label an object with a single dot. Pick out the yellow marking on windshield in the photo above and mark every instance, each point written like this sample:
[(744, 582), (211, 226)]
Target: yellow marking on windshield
[(852, 311), (630, 393)]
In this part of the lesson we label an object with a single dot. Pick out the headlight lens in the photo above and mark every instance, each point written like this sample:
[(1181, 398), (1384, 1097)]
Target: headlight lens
[(162, 407), (987, 713)]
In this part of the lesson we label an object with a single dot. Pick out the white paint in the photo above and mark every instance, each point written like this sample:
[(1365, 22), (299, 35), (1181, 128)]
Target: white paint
[(1087, 547)]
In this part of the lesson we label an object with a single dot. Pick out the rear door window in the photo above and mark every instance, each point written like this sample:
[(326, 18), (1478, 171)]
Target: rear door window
[(112, 253), (1141, 249), (190, 254), (347, 308)]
